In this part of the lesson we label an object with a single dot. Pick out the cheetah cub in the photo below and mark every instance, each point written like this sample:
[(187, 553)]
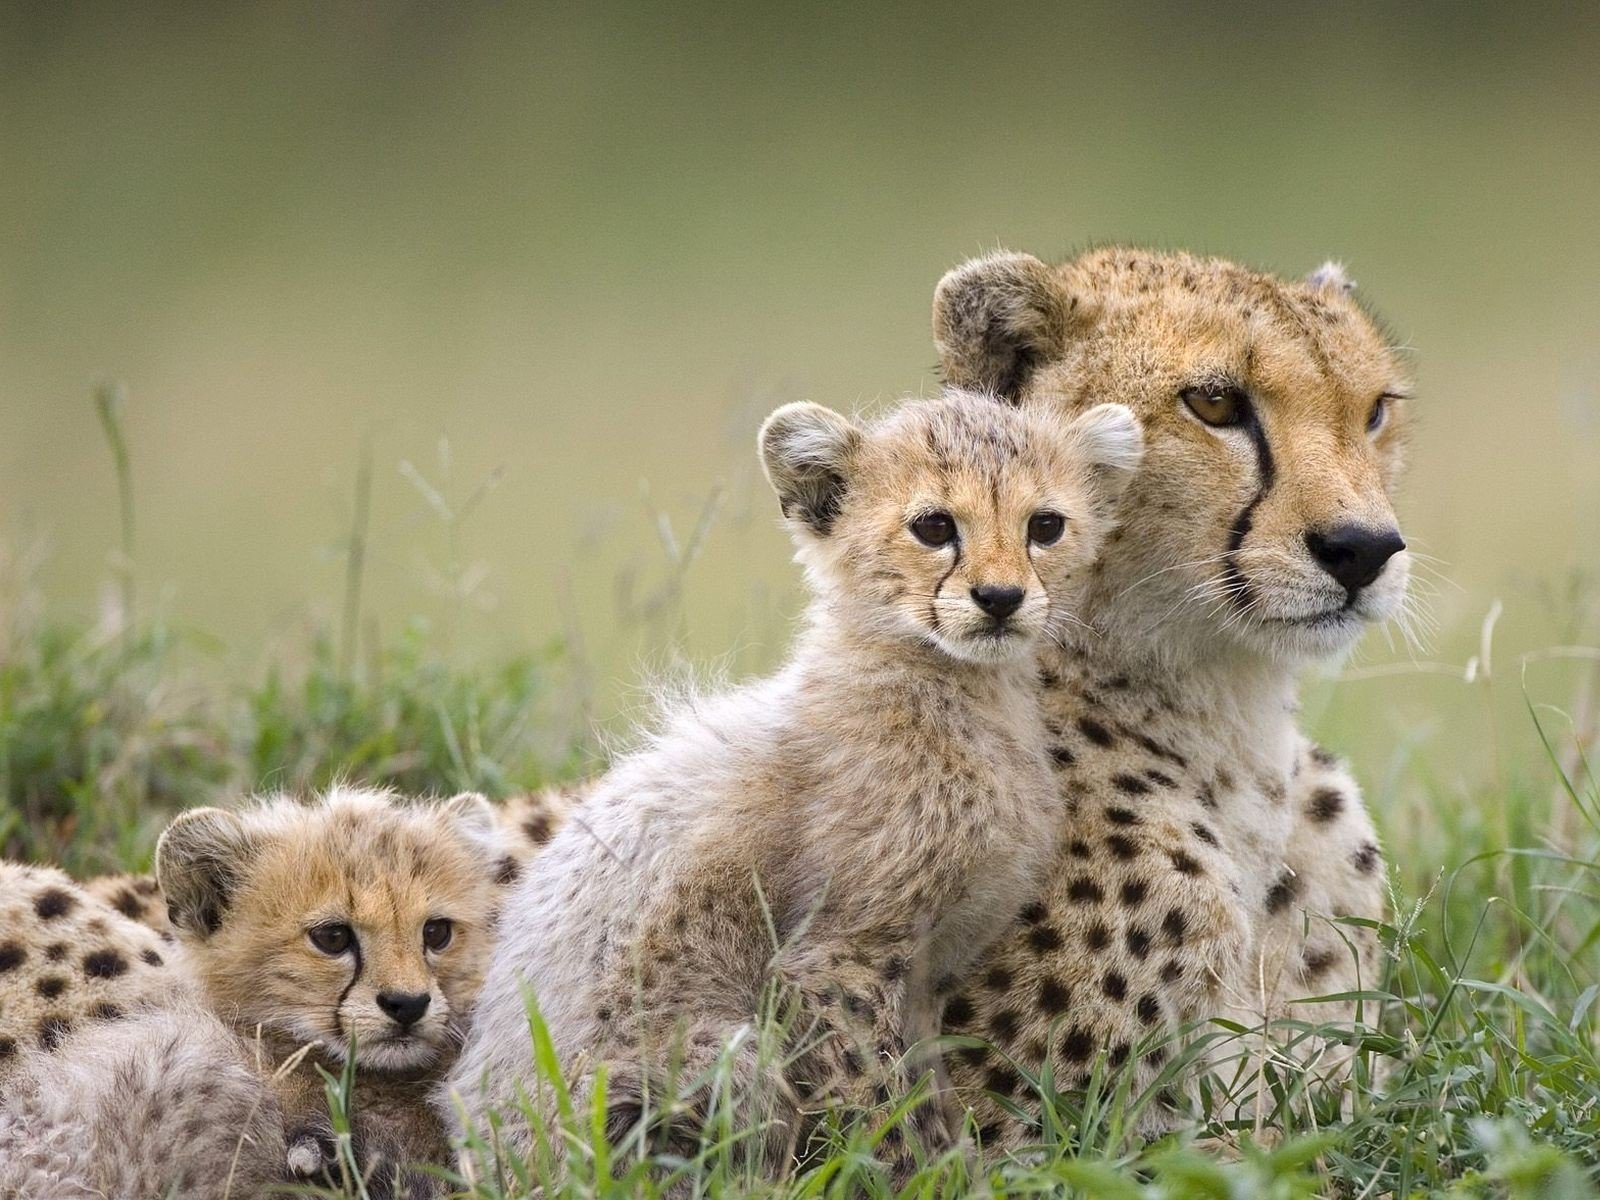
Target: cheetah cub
[(857, 825), (302, 929)]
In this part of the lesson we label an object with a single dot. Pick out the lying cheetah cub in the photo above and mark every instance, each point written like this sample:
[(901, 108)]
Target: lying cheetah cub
[(882, 798), (356, 917)]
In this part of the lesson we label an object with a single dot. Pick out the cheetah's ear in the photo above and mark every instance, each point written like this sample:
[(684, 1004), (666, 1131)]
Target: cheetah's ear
[(200, 861), (1331, 277), (1109, 437), (806, 451), (995, 319), (477, 820)]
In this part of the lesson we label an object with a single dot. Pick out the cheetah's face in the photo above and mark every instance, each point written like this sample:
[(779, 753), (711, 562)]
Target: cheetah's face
[(357, 919), (960, 523), (1273, 415)]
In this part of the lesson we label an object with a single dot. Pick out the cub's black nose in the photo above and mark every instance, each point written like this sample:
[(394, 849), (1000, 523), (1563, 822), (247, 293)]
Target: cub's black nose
[(1354, 554), (405, 1009), (998, 602)]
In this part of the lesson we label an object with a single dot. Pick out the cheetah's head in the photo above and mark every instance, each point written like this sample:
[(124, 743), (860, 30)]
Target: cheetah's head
[(1273, 414), (960, 523), (355, 916)]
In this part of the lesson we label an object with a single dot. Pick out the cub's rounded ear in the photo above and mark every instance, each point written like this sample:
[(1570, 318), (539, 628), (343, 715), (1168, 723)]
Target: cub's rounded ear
[(477, 820), (1331, 277), (995, 319), (200, 861), (1110, 438), (806, 451)]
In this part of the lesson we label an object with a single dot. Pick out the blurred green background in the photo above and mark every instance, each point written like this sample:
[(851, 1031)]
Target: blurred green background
[(591, 245)]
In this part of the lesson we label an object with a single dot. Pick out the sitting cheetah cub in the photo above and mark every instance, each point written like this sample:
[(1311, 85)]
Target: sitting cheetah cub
[(882, 799)]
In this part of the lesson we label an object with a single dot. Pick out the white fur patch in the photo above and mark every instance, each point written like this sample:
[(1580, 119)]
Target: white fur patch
[(1330, 276)]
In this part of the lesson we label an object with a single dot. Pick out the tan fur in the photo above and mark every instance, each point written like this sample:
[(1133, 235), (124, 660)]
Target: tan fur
[(1206, 850), (883, 797), (137, 897), (67, 961)]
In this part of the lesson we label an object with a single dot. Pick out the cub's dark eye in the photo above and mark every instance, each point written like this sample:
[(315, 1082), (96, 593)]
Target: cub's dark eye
[(934, 529), (436, 934), (332, 939), (1217, 406), (1045, 528), (1379, 414)]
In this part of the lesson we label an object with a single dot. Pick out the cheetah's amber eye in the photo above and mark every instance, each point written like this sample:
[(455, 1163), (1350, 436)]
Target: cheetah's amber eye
[(437, 933), (1217, 406), (333, 939), (1045, 528), (934, 529)]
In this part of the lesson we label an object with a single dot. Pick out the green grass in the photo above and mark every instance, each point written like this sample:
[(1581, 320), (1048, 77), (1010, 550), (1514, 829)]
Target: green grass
[(1483, 1026)]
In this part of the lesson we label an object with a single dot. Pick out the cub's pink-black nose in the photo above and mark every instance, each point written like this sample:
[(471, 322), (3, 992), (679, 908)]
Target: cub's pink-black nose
[(405, 1009), (1354, 554), (998, 602)]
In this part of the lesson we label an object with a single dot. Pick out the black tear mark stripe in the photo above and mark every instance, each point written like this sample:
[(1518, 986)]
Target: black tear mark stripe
[(1266, 471), (933, 604), (355, 976)]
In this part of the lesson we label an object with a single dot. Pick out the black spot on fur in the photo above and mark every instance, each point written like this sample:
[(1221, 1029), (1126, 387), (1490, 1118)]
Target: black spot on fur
[(1161, 779), (104, 964), (1151, 746), (1283, 892), (52, 1030), (1114, 986), (1077, 1045), (105, 1012), (1184, 864), (1317, 962), (8, 1048), (1326, 804), (1034, 913), (1138, 943), (1098, 937), (507, 870), (1044, 938), (1366, 857), (957, 1010), (1121, 816), (129, 905), (537, 829), (1171, 971), (50, 986), (1130, 785), (1063, 756), (1053, 996), (1095, 732), (1078, 848), (1203, 832), (1148, 1009), (54, 902), (1119, 1054), (1134, 891), (1122, 847), (1084, 891), (1002, 1079), (56, 951), (151, 958), (1208, 796), (1324, 758), (997, 980), (1004, 1024), (1175, 925), (12, 956)]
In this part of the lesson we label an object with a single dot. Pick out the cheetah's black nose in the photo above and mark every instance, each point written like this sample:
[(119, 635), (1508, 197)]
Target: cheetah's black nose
[(1354, 554), (998, 602), (405, 1009)]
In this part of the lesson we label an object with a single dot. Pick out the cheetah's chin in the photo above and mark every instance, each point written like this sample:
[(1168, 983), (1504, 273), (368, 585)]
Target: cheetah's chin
[(396, 1054)]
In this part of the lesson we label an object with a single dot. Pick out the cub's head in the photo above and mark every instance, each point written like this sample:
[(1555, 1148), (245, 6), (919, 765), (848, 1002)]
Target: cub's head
[(1273, 416), (959, 522), (355, 916)]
